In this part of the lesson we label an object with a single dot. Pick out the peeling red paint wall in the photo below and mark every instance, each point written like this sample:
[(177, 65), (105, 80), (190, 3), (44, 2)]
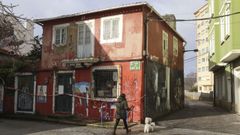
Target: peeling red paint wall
[(45, 78), (131, 84), (130, 48), (121, 54), (155, 46), (131, 45)]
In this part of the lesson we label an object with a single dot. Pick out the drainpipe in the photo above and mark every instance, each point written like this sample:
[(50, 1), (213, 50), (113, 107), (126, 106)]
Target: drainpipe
[(146, 60)]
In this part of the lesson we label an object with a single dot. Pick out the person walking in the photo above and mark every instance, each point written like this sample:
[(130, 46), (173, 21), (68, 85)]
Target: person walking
[(121, 112)]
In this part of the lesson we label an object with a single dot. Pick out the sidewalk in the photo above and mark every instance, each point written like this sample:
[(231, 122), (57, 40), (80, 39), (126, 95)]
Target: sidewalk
[(72, 120), (55, 119)]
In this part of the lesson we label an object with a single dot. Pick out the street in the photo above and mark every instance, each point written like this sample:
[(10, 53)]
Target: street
[(198, 118)]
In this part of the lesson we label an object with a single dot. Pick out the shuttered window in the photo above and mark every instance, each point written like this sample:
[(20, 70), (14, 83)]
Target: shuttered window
[(175, 46), (85, 35), (165, 47), (111, 29)]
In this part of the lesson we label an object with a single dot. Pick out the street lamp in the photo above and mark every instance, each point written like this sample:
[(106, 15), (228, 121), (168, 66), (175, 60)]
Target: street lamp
[(194, 50)]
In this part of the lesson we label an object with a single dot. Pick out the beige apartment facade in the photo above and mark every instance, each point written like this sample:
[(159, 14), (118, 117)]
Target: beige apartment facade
[(204, 76)]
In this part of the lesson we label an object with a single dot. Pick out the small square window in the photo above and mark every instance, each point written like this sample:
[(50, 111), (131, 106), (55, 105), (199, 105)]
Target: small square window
[(59, 35), (111, 29)]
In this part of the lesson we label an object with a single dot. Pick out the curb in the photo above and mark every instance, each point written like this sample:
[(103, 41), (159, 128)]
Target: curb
[(44, 119), (110, 125)]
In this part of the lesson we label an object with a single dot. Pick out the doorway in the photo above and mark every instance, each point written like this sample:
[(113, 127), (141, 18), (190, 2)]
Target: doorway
[(63, 93), (237, 89), (25, 93)]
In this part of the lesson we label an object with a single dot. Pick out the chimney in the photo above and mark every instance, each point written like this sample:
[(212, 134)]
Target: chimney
[(170, 19)]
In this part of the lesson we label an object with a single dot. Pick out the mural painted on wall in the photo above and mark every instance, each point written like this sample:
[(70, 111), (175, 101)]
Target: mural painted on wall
[(156, 90), (177, 90), (81, 87), (42, 94)]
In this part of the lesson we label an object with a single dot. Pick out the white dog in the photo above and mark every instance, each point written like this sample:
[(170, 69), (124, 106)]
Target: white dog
[(149, 125)]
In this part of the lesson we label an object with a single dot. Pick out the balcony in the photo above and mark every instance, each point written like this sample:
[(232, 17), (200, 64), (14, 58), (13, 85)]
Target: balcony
[(230, 56)]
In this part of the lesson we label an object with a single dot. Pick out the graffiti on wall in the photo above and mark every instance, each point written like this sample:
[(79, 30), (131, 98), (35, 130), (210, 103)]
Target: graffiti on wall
[(178, 93), (131, 87), (157, 89)]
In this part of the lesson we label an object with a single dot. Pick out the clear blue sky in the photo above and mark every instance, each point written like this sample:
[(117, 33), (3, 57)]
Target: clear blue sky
[(183, 9)]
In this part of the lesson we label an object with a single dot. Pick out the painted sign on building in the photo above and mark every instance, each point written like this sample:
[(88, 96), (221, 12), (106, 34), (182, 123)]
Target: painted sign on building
[(42, 94), (135, 65)]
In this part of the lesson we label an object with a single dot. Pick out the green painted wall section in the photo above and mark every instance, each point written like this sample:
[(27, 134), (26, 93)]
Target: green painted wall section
[(231, 43)]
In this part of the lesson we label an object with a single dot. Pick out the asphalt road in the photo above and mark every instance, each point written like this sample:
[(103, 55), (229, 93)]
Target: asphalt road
[(198, 118)]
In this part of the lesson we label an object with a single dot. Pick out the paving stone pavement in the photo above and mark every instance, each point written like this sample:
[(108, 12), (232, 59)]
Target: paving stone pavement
[(197, 118)]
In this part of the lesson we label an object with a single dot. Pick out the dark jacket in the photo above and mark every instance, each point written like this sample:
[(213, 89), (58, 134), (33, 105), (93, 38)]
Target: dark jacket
[(121, 108)]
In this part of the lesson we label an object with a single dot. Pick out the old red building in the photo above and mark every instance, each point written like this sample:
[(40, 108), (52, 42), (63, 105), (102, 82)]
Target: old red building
[(89, 58)]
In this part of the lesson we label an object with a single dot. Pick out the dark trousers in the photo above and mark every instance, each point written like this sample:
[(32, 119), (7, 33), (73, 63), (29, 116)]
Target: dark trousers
[(124, 122)]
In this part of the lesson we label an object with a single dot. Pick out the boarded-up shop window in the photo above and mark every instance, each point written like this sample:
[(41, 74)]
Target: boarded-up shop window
[(105, 83)]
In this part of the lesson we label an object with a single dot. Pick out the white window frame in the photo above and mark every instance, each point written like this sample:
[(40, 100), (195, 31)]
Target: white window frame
[(175, 46), (211, 8), (86, 23), (165, 47), (212, 43), (120, 28), (54, 34), (227, 19), (92, 29), (16, 92), (222, 29), (115, 67)]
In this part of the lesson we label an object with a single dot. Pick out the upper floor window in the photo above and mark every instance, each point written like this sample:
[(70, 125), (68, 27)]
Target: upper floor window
[(60, 34), (222, 30), (211, 10), (85, 47), (111, 29), (175, 46), (225, 21), (212, 44), (165, 47), (85, 34)]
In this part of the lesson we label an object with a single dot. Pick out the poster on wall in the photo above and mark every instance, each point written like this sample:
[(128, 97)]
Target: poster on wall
[(42, 94), (1, 98), (81, 87), (60, 89)]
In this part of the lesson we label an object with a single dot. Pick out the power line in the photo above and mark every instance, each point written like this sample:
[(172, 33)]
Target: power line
[(198, 19)]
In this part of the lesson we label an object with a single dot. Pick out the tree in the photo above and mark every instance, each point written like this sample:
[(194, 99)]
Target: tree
[(10, 24), (36, 52)]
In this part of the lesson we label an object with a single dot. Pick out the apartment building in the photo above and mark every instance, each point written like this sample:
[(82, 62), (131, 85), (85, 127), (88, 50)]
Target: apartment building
[(225, 53), (204, 76)]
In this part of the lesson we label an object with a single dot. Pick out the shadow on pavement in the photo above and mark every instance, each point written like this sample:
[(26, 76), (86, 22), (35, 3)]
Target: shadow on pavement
[(194, 109)]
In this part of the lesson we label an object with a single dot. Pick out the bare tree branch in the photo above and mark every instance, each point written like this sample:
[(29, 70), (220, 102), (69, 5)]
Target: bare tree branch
[(12, 30)]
